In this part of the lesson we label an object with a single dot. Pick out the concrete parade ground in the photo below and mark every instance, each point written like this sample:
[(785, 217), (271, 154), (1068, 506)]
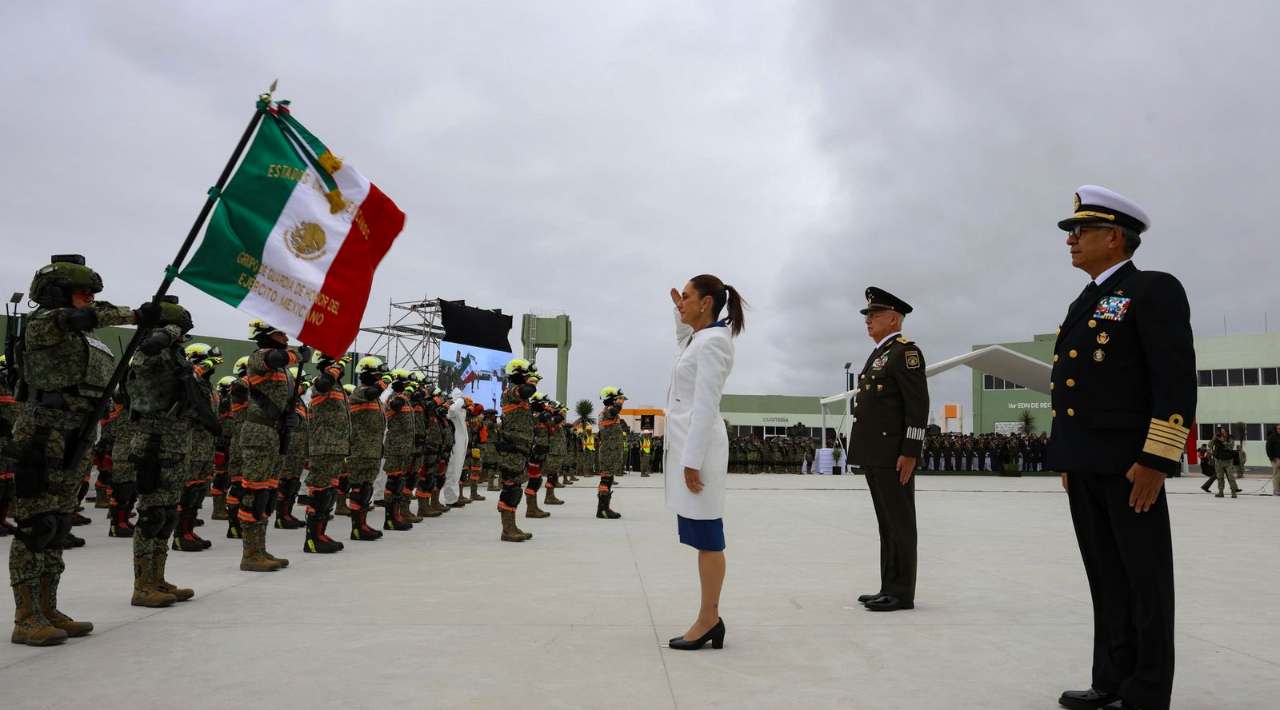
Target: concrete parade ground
[(446, 616)]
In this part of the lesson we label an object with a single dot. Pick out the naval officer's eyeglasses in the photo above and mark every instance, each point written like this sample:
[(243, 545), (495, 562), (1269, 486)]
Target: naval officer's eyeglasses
[(1079, 230)]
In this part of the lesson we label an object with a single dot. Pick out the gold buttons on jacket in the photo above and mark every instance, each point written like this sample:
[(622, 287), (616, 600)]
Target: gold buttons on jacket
[(1071, 353), (1071, 382), (1055, 358), (1053, 412), (1103, 338), (1099, 355), (1051, 386), (1093, 323), (1071, 412)]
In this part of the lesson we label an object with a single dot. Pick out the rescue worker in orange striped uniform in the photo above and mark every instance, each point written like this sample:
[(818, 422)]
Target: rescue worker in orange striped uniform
[(368, 425), (397, 448), (218, 486), (102, 460), (204, 359), (232, 428), (329, 444)]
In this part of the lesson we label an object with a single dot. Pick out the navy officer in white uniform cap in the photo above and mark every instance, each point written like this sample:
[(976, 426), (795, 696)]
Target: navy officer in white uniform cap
[(1123, 398)]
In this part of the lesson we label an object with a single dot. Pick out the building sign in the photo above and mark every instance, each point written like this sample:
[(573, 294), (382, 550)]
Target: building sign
[(775, 420), (1007, 427), (1028, 405)]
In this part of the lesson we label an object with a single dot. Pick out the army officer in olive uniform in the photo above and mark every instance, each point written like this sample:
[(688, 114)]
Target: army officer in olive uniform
[(890, 413), (1123, 397)]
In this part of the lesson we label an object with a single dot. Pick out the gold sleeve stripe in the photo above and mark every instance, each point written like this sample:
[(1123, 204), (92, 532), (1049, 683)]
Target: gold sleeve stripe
[(1163, 450), (1169, 427), (1161, 438)]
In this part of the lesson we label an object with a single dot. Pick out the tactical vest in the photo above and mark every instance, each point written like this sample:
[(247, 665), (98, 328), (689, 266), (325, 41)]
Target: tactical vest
[(154, 388), (58, 360)]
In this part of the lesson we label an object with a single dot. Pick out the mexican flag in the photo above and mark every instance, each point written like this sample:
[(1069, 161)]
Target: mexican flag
[(296, 236)]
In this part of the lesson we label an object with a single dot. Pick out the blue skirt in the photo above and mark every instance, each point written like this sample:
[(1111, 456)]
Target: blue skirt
[(701, 534)]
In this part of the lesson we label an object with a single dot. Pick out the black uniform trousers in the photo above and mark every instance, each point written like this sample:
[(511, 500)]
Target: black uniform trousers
[(1128, 558), (895, 506)]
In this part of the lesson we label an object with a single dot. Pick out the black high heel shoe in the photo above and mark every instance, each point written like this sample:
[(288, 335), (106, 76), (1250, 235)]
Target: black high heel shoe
[(715, 636)]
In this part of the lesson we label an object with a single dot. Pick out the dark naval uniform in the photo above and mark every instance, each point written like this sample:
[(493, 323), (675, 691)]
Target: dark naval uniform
[(890, 414), (1123, 392)]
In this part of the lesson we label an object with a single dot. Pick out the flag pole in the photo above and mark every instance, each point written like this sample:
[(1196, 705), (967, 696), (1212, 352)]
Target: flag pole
[(85, 432)]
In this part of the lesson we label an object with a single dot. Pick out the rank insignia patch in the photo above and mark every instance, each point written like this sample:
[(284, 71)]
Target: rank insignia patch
[(878, 363), (913, 360), (1099, 355), (1103, 338), (1112, 308)]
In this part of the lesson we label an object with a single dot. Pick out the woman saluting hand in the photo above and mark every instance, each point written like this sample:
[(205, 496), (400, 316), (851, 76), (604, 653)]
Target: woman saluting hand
[(696, 456)]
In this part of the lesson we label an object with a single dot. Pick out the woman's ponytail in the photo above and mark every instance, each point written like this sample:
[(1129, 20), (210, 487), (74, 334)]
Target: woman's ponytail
[(722, 295)]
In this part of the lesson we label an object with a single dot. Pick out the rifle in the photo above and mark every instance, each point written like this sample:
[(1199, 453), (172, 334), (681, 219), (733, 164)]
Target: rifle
[(12, 333)]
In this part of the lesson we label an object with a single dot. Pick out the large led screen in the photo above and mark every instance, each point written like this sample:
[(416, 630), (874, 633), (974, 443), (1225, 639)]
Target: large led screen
[(477, 372)]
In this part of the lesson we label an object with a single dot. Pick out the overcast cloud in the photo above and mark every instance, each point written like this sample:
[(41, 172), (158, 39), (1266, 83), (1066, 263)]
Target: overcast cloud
[(608, 151)]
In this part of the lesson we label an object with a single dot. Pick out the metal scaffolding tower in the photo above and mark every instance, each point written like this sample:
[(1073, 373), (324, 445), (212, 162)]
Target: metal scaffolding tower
[(411, 338)]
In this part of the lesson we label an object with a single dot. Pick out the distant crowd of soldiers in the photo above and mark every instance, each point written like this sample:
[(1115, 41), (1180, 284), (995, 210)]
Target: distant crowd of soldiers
[(789, 453), (983, 452)]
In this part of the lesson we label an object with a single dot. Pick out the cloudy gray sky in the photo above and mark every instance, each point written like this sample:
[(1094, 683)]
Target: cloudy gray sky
[(586, 157)]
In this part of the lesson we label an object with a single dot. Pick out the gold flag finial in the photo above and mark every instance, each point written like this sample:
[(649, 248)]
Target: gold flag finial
[(272, 90)]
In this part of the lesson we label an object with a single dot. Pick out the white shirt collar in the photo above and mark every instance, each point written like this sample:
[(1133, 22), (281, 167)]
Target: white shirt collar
[(1102, 277), (887, 338)]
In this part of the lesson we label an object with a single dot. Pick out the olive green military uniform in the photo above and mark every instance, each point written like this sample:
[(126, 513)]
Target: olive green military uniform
[(368, 425), (329, 444), (270, 388)]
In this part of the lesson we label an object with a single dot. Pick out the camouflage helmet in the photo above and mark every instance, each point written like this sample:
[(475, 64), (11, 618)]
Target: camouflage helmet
[(65, 274)]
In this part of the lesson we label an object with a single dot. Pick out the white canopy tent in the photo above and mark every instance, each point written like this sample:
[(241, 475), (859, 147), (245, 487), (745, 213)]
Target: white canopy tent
[(994, 360)]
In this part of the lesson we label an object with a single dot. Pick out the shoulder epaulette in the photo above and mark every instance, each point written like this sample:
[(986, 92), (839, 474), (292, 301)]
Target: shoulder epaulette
[(903, 340)]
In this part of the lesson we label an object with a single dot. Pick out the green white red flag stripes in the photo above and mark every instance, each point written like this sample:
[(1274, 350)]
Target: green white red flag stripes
[(296, 237)]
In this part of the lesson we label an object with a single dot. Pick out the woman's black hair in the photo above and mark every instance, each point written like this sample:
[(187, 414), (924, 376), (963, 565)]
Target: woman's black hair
[(722, 294)]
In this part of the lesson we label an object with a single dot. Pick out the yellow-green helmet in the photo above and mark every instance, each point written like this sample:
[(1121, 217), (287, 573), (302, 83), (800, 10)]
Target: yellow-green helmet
[(370, 363), (348, 388), (241, 368), (226, 381), (259, 328), (54, 283), (520, 366), (197, 352), (609, 393)]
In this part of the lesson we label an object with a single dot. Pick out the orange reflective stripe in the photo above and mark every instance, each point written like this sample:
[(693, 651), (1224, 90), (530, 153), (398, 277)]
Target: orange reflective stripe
[(364, 406), (331, 394), (509, 408), (609, 422), (7, 399), (273, 376), (260, 485), (239, 406)]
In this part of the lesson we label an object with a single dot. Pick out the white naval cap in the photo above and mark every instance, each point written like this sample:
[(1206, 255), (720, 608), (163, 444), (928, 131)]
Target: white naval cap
[(1099, 204)]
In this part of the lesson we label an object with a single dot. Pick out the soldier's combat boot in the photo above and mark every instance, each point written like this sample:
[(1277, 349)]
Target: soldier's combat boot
[(360, 529), (70, 541), (48, 603), (551, 498), (425, 510), (475, 492), (252, 558), (262, 546), (493, 486), (144, 589), (30, 627), (285, 499), (316, 541), (531, 507), (602, 507), (102, 492), (436, 505), (159, 561), (185, 538), (342, 508), (394, 520), (511, 533), (219, 507), (235, 531), (78, 519)]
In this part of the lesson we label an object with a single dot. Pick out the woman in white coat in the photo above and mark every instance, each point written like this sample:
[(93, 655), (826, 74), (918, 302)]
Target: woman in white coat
[(458, 455), (696, 453)]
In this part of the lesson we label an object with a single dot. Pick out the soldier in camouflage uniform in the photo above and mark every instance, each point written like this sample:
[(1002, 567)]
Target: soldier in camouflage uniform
[(475, 462), (102, 460), (515, 443), (271, 399), (231, 429), (165, 405), (64, 372), (124, 483), (328, 446), (344, 478), (8, 415), (557, 452), (368, 424), (413, 469), (298, 422), (611, 453), (397, 449), (221, 481), (541, 446), (488, 453), (420, 485), (200, 460)]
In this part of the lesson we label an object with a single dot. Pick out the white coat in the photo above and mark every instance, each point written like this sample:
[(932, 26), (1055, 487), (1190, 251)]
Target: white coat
[(695, 435), (458, 454)]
